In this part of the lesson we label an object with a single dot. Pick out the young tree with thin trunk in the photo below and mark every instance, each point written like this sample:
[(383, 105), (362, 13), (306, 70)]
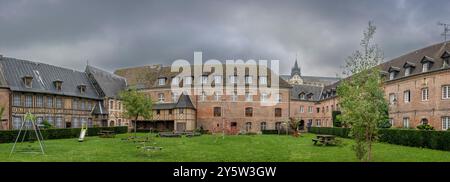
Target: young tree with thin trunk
[(136, 104), (361, 95)]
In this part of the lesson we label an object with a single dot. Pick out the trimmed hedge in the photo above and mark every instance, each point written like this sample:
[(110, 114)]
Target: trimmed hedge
[(269, 132), (439, 140), (58, 133), (341, 132)]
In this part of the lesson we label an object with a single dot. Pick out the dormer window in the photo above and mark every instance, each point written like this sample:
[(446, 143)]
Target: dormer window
[(310, 96), (28, 81), (408, 71), (446, 58), (391, 75), (58, 84), (82, 88), (161, 81), (408, 68), (393, 72), (425, 67), (301, 96), (426, 63)]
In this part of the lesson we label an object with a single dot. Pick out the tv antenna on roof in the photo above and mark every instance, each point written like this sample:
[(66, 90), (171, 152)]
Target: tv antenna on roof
[(446, 30)]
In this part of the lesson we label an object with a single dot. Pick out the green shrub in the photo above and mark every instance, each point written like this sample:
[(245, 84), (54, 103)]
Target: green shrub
[(425, 127), (59, 133), (439, 140)]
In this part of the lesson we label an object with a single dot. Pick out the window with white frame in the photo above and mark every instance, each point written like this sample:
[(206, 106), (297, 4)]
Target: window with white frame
[(425, 67), (248, 96), (161, 97), (278, 98), (391, 75), (217, 79), (318, 123), (161, 81), (49, 101), (58, 102), (263, 126), (391, 121), (446, 123), (392, 98), (407, 96), (234, 97), (17, 122), (407, 71), (263, 80), (187, 80), (174, 96), (446, 92), (75, 104), (248, 79), (28, 101), (82, 105), (233, 79), (302, 109), (204, 79), (264, 97), (310, 109), (17, 100), (203, 96), (425, 94), (216, 96), (39, 101), (175, 80), (406, 122), (59, 122), (248, 126)]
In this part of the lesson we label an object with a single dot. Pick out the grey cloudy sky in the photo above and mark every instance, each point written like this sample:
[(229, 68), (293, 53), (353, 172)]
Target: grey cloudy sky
[(113, 34)]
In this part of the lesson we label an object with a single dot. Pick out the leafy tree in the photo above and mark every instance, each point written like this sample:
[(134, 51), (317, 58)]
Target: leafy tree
[(361, 95), (47, 124), (136, 104)]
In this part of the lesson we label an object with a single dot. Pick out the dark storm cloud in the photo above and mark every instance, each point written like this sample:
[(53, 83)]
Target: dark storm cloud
[(113, 34)]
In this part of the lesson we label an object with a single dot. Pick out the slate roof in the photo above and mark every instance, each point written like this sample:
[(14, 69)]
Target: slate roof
[(109, 84), (306, 89), (415, 59), (183, 102), (99, 109), (146, 77), (319, 79), (44, 76)]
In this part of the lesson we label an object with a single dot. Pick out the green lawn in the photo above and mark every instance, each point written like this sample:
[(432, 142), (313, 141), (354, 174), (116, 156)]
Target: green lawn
[(211, 148)]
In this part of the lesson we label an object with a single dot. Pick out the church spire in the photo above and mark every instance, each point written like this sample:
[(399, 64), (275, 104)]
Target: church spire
[(295, 70)]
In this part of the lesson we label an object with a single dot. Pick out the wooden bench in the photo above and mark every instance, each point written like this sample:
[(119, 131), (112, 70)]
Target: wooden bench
[(325, 140), (106, 134)]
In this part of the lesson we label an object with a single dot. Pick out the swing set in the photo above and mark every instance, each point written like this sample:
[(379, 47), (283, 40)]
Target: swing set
[(29, 129)]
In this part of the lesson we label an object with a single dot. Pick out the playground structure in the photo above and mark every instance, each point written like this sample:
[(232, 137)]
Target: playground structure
[(29, 123), (83, 132)]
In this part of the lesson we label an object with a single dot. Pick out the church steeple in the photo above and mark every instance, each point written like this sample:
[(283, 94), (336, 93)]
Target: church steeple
[(296, 70)]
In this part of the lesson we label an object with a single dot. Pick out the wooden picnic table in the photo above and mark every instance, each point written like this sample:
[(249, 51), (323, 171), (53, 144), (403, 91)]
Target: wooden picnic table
[(325, 139), (106, 133)]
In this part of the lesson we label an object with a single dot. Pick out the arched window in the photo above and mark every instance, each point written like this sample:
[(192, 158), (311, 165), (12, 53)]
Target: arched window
[(263, 126), (248, 126)]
